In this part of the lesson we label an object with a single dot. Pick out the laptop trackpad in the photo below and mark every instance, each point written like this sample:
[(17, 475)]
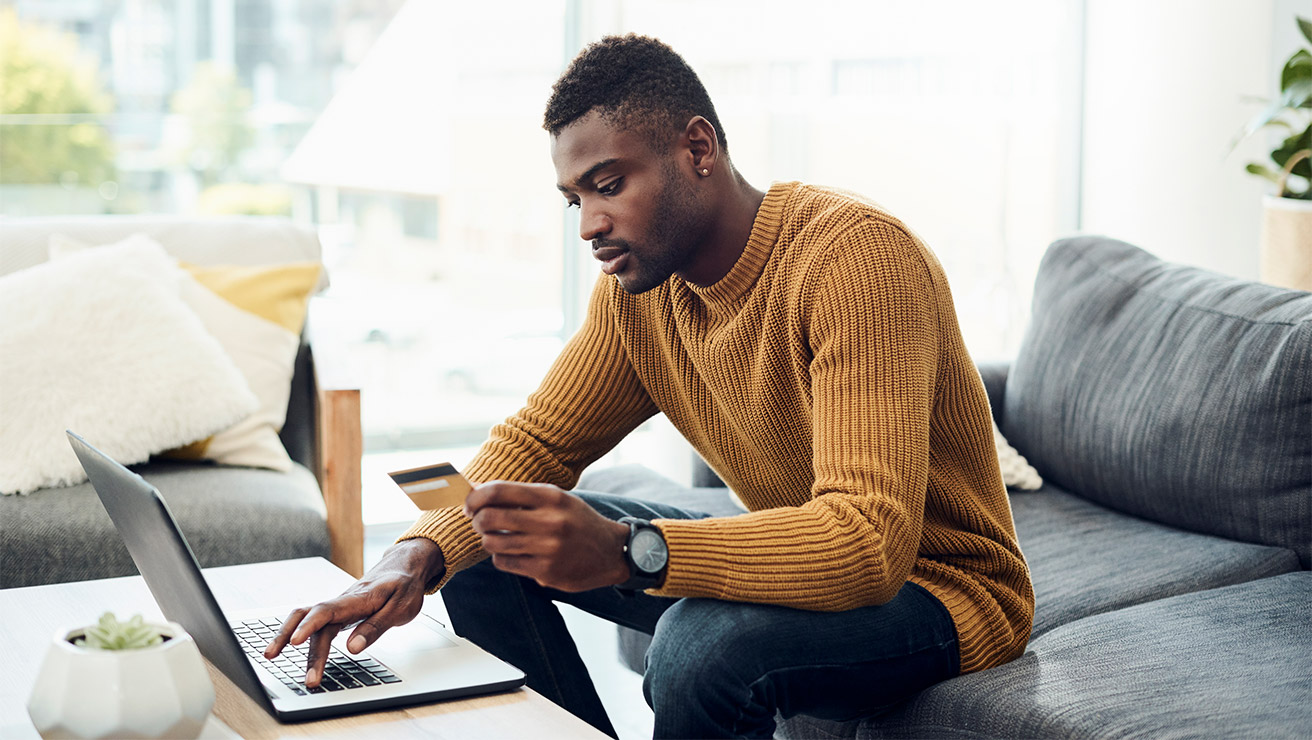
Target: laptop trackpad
[(411, 638)]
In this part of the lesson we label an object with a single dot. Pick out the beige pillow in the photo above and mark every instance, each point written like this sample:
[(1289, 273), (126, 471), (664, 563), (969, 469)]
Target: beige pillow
[(1016, 470), (256, 313)]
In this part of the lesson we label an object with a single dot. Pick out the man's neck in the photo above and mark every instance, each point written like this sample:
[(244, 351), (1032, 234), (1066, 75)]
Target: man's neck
[(729, 233)]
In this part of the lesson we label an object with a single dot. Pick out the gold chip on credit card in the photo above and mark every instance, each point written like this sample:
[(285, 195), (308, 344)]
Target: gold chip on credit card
[(433, 486)]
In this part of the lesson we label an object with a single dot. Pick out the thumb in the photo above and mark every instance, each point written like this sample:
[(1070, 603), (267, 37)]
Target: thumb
[(367, 632)]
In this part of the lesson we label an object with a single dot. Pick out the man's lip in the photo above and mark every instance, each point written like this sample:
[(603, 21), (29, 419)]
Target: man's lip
[(612, 259), (615, 264)]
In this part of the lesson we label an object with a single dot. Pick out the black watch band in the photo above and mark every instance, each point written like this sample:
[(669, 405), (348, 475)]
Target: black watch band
[(646, 555)]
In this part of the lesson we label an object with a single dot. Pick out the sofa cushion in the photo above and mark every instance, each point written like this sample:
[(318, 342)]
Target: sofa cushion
[(1225, 663), (1168, 392), (229, 516), (1086, 559)]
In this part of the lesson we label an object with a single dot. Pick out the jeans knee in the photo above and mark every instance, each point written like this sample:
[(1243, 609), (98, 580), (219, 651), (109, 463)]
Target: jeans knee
[(702, 674), (692, 654)]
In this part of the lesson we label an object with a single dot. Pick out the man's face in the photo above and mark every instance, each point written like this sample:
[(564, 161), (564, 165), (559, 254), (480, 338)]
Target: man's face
[(641, 215)]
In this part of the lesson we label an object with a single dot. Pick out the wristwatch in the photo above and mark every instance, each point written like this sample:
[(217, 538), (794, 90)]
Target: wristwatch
[(646, 555)]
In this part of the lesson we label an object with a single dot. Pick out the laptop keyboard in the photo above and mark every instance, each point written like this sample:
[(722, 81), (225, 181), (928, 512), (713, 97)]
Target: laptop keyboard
[(341, 672)]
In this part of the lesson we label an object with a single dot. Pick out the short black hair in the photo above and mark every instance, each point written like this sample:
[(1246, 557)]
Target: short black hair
[(638, 82)]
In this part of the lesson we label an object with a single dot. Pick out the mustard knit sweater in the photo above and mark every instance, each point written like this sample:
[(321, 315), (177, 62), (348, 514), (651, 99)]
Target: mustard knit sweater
[(825, 380)]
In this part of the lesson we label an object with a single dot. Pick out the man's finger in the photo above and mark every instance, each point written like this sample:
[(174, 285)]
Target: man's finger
[(316, 655), (319, 616), (509, 495), (496, 520), (520, 565), (515, 544), (280, 640), (367, 632)]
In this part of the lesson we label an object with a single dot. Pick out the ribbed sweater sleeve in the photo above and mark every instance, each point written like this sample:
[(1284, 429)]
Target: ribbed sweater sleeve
[(589, 400), (873, 337)]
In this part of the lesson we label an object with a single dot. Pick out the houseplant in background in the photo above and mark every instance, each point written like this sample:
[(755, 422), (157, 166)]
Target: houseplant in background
[(122, 679), (1287, 216)]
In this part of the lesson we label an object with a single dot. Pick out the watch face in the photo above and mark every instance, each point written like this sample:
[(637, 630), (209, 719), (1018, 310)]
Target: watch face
[(648, 551)]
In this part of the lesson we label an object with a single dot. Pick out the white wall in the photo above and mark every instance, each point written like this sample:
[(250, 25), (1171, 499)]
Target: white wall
[(1169, 83)]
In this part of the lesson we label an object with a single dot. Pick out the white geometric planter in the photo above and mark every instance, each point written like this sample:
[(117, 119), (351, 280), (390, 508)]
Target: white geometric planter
[(159, 691)]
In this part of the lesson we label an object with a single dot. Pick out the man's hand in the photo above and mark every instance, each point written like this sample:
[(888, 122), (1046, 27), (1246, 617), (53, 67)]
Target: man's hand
[(555, 538), (390, 594)]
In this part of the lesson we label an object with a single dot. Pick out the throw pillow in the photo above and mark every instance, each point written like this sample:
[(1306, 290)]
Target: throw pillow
[(1016, 470), (256, 313), (103, 344)]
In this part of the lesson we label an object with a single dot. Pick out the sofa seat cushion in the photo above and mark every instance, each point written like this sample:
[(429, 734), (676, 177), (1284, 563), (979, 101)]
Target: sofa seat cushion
[(1086, 559), (1231, 662), (229, 515)]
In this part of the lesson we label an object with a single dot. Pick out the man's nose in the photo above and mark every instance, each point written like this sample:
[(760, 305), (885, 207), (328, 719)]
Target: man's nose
[(593, 224)]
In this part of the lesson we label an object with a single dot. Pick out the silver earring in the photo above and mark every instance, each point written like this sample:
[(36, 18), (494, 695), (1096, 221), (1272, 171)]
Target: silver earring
[(705, 172)]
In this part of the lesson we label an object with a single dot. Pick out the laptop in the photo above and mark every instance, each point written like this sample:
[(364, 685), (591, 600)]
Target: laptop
[(419, 662)]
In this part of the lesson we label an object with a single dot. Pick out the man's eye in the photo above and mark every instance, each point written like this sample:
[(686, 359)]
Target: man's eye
[(610, 187), (571, 204)]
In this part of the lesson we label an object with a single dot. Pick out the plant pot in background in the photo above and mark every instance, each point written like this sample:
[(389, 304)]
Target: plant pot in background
[(158, 691), (1287, 242)]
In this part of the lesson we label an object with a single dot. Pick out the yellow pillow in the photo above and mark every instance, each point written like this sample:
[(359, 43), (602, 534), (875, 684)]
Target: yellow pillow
[(256, 313)]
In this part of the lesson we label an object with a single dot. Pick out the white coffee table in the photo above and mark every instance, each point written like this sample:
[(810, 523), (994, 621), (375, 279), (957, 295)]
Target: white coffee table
[(29, 617)]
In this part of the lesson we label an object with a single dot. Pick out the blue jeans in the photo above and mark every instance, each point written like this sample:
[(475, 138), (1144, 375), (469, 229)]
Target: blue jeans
[(715, 668)]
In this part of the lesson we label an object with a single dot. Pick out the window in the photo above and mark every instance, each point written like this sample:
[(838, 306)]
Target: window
[(409, 134)]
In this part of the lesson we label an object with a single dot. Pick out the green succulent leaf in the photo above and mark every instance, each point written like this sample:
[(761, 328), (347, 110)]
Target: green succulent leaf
[(1305, 26), (111, 634)]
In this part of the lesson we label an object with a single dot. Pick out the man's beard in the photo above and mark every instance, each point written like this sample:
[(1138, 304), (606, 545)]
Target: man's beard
[(676, 230)]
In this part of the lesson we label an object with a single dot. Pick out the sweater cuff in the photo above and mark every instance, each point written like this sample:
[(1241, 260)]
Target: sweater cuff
[(454, 535)]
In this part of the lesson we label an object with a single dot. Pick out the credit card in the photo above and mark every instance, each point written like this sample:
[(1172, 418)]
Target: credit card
[(433, 486)]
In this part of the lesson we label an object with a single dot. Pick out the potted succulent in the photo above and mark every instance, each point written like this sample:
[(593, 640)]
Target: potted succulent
[(1287, 216), (122, 679)]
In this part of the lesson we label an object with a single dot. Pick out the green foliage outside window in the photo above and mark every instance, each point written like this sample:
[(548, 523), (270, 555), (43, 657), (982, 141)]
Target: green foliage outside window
[(215, 105), (43, 72)]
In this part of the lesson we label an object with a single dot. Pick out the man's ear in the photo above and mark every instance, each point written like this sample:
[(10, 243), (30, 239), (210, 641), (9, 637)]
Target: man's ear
[(703, 143)]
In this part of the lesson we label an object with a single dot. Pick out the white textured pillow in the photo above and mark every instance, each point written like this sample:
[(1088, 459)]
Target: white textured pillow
[(1016, 470), (256, 313), (102, 344)]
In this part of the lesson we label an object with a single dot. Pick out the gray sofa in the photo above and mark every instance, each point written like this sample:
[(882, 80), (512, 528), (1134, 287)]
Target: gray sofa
[(1169, 411), (230, 515)]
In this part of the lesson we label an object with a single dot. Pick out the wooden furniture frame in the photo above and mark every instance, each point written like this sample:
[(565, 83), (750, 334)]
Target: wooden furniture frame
[(340, 449)]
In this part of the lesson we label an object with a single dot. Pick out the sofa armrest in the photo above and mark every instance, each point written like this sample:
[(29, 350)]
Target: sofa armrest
[(340, 449), (323, 433), (995, 384)]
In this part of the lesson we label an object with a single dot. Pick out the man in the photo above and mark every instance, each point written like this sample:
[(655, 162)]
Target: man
[(805, 343)]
